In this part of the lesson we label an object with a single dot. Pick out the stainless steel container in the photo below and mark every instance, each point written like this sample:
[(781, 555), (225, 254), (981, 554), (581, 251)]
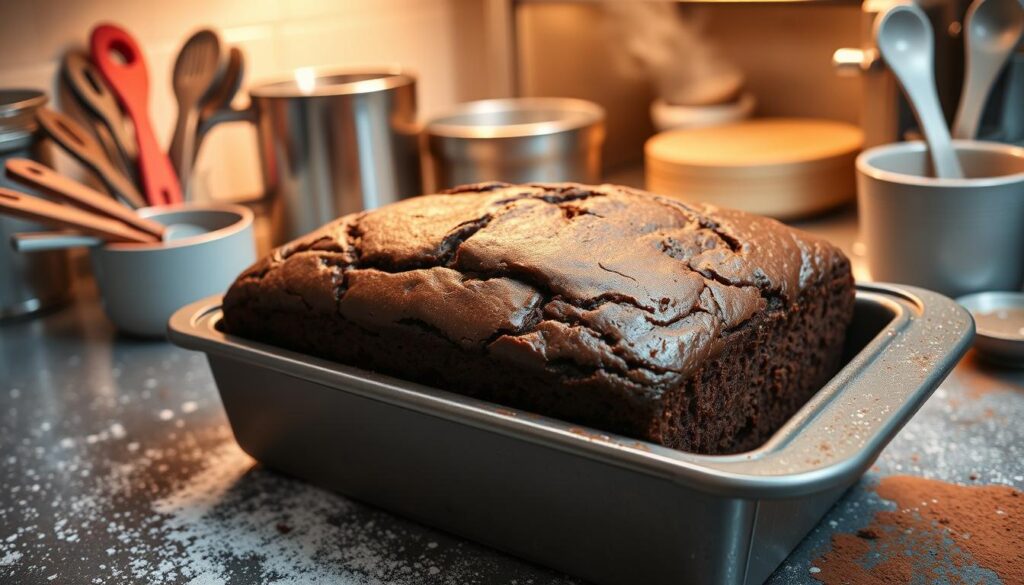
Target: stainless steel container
[(332, 143), (28, 282), (607, 508), (517, 140)]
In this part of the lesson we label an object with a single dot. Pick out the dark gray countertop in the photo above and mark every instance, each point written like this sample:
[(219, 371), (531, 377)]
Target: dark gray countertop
[(118, 466)]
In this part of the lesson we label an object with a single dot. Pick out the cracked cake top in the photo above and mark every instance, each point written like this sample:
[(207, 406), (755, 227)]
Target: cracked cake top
[(600, 278)]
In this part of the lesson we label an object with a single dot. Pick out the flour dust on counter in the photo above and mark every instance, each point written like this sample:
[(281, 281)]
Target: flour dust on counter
[(225, 520), (118, 466)]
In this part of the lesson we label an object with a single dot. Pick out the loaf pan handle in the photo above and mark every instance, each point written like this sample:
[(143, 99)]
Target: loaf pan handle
[(851, 419)]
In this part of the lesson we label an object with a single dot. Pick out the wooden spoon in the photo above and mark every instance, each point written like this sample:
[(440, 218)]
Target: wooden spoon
[(81, 145), (221, 96), (196, 73), (120, 59), (56, 215), (52, 183)]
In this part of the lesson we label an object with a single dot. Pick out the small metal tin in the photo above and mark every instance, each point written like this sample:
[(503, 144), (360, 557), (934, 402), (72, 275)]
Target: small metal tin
[(610, 509), (997, 340)]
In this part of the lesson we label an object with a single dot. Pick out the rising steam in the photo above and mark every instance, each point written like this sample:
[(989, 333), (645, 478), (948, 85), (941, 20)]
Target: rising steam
[(684, 67)]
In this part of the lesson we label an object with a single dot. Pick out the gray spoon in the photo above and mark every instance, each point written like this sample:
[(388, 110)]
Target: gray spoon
[(992, 29), (905, 40)]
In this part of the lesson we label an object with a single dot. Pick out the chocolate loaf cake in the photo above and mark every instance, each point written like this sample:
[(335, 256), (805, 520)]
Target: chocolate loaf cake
[(697, 328)]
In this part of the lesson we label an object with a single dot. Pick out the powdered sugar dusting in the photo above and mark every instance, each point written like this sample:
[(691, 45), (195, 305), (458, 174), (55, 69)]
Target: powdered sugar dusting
[(234, 512), (138, 479)]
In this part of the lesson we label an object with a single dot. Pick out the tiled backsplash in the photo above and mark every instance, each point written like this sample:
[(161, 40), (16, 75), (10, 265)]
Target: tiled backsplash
[(277, 37)]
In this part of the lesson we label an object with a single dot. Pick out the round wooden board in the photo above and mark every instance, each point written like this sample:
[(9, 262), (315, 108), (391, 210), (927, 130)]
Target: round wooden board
[(756, 144), (782, 167)]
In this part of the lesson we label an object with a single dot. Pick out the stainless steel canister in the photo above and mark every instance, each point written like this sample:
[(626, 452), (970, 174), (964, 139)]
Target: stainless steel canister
[(517, 140), (333, 143), (28, 282)]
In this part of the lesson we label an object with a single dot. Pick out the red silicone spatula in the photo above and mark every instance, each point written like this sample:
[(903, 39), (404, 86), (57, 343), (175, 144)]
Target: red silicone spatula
[(120, 60)]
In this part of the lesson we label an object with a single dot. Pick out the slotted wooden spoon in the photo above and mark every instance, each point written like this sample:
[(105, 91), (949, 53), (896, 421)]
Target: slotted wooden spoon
[(87, 84), (78, 142), (197, 71)]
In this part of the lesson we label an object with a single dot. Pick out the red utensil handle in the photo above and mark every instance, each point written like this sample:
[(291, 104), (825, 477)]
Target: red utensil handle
[(158, 176), (120, 60)]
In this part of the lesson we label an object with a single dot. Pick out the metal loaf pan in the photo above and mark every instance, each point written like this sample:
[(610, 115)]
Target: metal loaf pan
[(610, 509)]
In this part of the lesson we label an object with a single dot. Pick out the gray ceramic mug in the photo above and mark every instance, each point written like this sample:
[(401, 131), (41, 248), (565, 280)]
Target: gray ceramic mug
[(954, 236)]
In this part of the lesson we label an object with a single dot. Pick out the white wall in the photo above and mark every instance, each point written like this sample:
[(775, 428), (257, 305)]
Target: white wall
[(277, 37)]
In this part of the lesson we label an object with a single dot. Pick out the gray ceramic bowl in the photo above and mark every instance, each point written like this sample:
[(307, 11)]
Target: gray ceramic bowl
[(142, 285)]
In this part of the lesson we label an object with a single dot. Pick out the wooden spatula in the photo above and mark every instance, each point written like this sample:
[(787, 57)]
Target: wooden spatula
[(63, 216), (70, 135), (52, 183)]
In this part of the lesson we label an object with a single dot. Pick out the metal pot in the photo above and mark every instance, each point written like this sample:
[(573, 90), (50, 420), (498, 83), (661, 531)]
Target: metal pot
[(28, 282), (517, 140)]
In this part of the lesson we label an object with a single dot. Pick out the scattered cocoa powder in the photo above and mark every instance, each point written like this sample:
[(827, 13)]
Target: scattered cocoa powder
[(867, 534), (936, 528)]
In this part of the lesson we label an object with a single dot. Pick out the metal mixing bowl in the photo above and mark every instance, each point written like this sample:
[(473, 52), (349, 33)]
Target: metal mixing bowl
[(518, 140)]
